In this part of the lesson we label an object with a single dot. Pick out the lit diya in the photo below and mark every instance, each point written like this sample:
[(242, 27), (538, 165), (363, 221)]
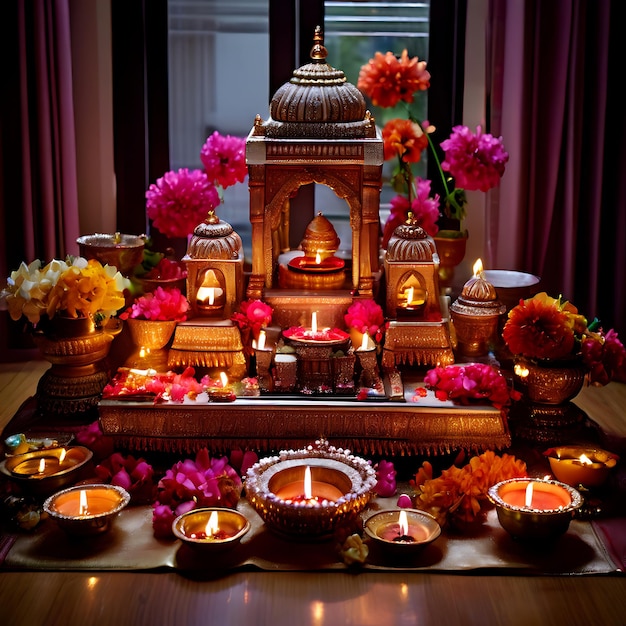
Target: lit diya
[(532, 508), (402, 531), (220, 390), (315, 335), (86, 509), (579, 465), (213, 529), (340, 486), (42, 472)]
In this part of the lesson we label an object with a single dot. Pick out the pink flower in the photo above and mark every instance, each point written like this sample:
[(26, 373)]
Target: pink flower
[(365, 316), (253, 315), (224, 159), (475, 161), (195, 484), (179, 201), (386, 477), (605, 356), (134, 475), (161, 304), (241, 460), (473, 381), (162, 519)]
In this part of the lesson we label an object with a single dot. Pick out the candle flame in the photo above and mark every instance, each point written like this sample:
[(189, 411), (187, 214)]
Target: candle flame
[(529, 495), (318, 257), (307, 483), (365, 341), (409, 295), (261, 344), (82, 503), (403, 523), (143, 352), (62, 455), (224, 379), (585, 460), (212, 526), (211, 295), (477, 268), (314, 322), (42, 466)]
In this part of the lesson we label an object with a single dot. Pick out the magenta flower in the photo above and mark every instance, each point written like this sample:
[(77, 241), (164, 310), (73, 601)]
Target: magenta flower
[(134, 475), (179, 201), (162, 519), (92, 437), (161, 304), (198, 483), (475, 161), (386, 477), (253, 315), (224, 159), (605, 356), (366, 316)]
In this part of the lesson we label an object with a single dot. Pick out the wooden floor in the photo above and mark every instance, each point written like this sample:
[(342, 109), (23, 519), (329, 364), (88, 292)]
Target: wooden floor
[(315, 599)]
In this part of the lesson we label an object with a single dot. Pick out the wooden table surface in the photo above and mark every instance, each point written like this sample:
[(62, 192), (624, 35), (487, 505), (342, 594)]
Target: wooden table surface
[(303, 598)]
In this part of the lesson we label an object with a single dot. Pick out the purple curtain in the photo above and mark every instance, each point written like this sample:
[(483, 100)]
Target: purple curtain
[(561, 210), (38, 186)]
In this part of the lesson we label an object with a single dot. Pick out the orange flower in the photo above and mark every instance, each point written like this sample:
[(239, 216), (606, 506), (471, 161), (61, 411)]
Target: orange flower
[(404, 139), (543, 327), (387, 80)]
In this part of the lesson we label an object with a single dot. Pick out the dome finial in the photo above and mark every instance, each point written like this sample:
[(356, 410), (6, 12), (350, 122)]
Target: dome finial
[(318, 51)]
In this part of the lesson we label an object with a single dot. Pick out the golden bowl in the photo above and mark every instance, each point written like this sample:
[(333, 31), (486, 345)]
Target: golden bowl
[(336, 470), (383, 528), (580, 465), (56, 474), (102, 504), (122, 251), (192, 529), (535, 523)]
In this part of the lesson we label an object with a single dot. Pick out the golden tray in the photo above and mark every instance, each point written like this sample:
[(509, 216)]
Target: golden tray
[(427, 426)]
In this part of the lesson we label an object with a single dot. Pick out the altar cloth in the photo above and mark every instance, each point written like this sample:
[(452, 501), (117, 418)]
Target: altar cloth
[(130, 545)]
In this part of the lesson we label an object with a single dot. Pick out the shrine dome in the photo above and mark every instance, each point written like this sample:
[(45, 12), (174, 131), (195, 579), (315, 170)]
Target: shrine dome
[(317, 102)]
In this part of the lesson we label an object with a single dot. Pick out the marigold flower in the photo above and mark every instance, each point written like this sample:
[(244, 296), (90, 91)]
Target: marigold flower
[(403, 139), (476, 161), (387, 80), (224, 159), (541, 327), (181, 200), (354, 551)]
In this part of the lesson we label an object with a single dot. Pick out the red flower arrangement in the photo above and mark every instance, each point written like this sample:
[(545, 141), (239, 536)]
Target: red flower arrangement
[(192, 484), (474, 381), (160, 305), (366, 316), (547, 328), (476, 161)]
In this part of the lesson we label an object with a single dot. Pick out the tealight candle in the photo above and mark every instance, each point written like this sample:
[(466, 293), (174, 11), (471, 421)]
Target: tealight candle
[(223, 392), (534, 508)]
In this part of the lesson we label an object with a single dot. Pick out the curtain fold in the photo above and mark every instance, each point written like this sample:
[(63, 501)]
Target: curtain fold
[(561, 202), (38, 181)]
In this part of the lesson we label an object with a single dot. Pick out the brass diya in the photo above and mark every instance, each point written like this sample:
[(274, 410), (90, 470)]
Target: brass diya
[(122, 251), (336, 471), (43, 472), (386, 530)]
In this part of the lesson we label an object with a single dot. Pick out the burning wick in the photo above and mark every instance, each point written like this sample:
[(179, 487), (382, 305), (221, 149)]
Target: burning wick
[(404, 529), (62, 455), (42, 466), (314, 322), (529, 496), (318, 258), (224, 379), (477, 268), (409, 295)]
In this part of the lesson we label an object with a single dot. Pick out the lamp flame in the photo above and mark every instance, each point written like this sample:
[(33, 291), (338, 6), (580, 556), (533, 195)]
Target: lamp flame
[(61, 455), (585, 460), (314, 322), (83, 507), (261, 343), (477, 268), (307, 483), (318, 257), (403, 523), (409, 295), (212, 525), (224, 379), (529, 495), (42, 466)]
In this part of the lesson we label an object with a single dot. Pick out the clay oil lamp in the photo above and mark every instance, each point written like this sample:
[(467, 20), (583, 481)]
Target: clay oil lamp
[(476, 314), (411, 303), (316, 335), (580, 465), (211, 529), (221, 390), (87, 509), (402, 532), (43, 472), (304, 494), (534, 509)]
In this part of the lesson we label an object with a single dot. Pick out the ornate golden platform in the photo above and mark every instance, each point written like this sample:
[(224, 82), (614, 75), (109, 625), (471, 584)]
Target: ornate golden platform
[(427, 426)]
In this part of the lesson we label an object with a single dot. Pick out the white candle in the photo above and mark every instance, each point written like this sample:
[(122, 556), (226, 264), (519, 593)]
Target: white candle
[(314, 322)]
